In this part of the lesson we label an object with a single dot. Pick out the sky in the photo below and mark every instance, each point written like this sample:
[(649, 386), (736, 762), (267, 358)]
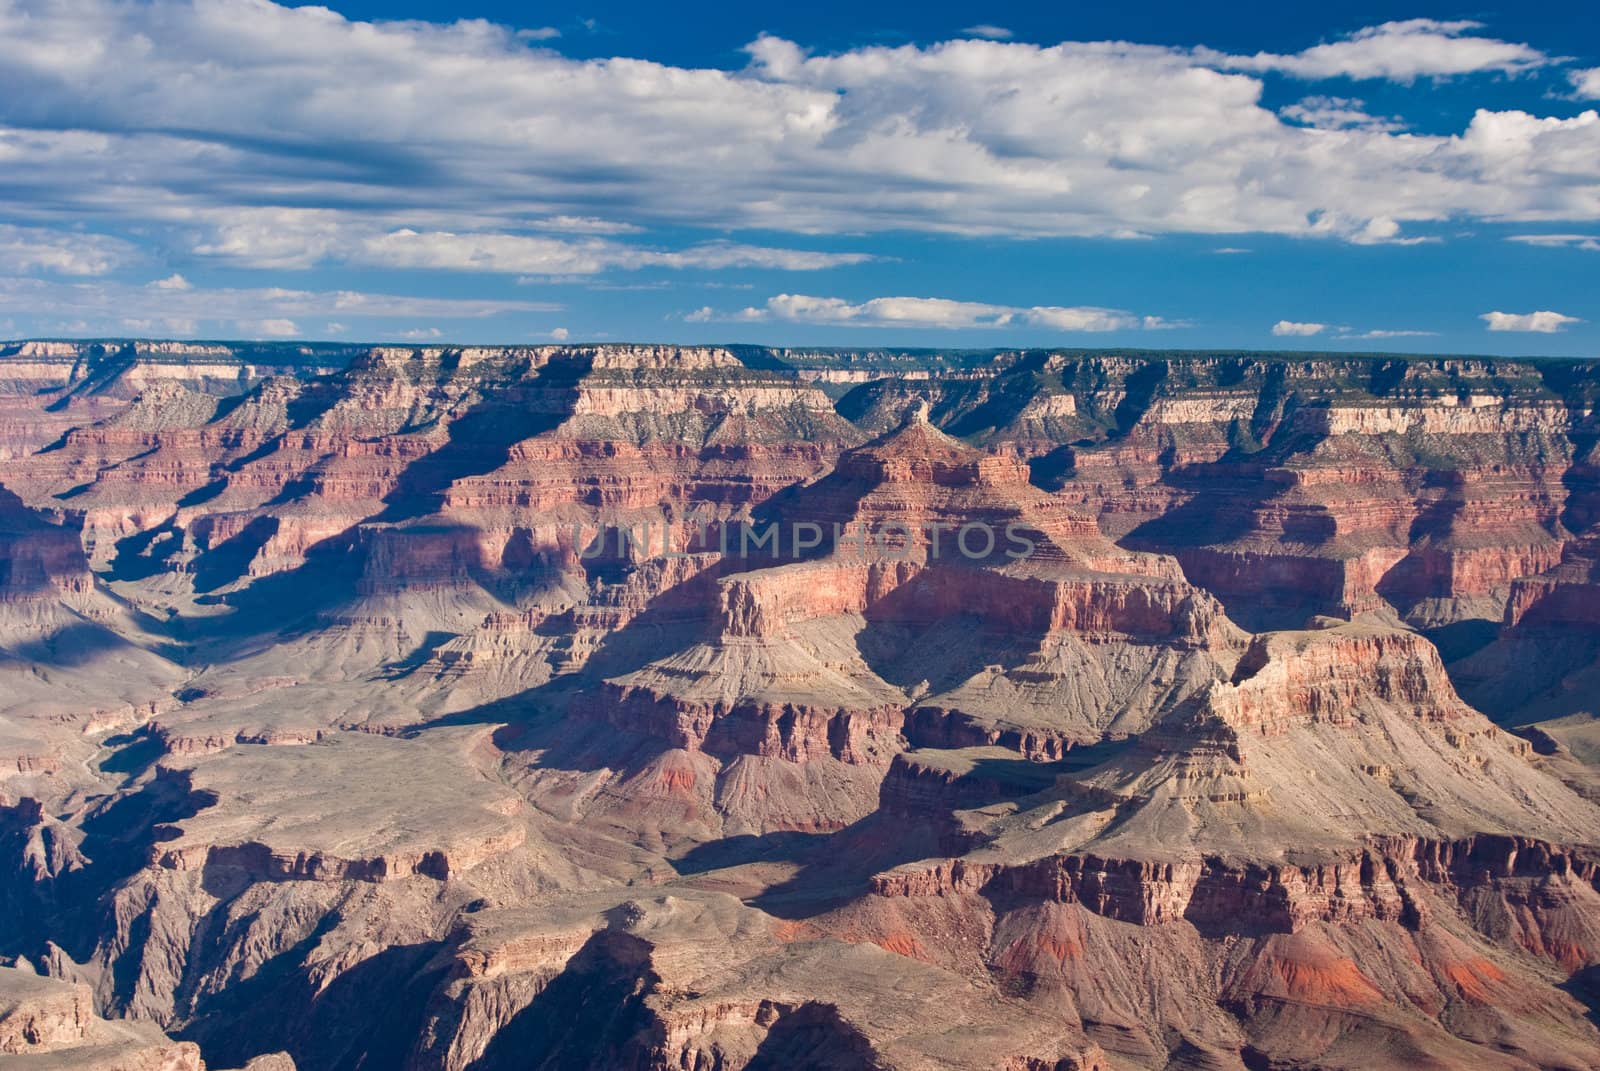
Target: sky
[(1339, 176)]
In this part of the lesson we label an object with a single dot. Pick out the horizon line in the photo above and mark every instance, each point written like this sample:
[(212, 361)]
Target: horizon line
[(443, 344)]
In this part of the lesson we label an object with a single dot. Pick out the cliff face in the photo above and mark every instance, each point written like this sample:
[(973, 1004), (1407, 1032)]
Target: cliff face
[(673, 707), (55, 1023)]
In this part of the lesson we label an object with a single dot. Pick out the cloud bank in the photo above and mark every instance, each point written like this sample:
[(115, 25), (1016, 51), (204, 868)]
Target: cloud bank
[(473, 138), (925, 312), (172, 306)]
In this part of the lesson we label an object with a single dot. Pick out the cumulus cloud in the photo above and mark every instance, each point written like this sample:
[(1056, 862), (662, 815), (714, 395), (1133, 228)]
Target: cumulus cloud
[(560, 334), (1586, 83), (922, 312), (1379, 230), (988, 31), (171, 282), (269, 237), (1543, 322), (466, 129), (1398, 51), (1293, 328), (25, 249)]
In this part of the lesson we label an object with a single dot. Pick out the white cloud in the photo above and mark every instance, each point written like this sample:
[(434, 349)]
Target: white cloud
[(61, 252), (585, 225), (1379, 332), (988, 31), (301, 237), (1230, 250), (1379, 230), (172, 282), (1544, 322), (418, 333), (272, 237), (540, 33), (335, 328), (171, 328), (464, 129), (1586, 84), (1398, 51), (1338, 113), (481, 252), (359, 303), (560, 334), (922, 312), (1293, 328), (523, 254), (734, 255), (1590, 242), (103, 306), (273, 328)]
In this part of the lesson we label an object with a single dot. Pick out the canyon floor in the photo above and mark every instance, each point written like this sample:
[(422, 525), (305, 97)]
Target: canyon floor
[(652, 707)]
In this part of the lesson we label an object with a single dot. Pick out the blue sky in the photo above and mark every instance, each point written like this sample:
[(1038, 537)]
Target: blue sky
[(1419, 178)]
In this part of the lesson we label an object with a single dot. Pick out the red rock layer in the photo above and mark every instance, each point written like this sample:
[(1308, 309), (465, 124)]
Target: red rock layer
[(40, 561), (1566, 595), (1384, 881)]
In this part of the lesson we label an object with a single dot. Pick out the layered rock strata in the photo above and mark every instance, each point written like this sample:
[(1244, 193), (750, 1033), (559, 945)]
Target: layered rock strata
[(672, 707)]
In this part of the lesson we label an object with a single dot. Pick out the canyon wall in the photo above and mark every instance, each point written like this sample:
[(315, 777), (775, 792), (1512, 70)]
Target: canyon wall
[(672, 707)]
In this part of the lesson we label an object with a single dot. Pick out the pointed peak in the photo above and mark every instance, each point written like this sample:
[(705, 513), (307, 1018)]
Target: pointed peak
[(916, 437)]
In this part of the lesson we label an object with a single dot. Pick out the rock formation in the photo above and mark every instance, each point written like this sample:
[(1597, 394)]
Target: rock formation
[(661, 707)]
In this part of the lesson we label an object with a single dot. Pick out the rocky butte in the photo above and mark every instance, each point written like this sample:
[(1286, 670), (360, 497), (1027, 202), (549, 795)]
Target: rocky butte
[(345, 724)]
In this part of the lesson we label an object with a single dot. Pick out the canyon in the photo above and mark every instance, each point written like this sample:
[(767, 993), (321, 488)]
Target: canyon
[(465, 709)]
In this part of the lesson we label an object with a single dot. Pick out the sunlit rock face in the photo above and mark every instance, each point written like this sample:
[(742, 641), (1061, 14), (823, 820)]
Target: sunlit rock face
[(691, 707)]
